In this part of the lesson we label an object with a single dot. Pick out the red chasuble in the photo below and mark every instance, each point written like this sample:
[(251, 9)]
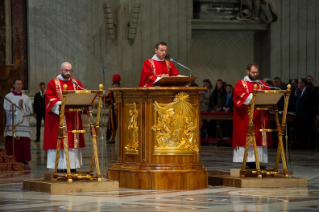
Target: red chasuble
[(72, 119), (153, 69), (241, 92)]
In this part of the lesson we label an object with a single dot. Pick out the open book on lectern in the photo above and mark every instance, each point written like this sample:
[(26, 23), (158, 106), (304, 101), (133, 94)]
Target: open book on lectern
[(269, 97), (174, 81), (83, 99)]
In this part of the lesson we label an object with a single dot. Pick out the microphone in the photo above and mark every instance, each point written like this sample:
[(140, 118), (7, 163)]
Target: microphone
[(75, 83), (190, 73), (267, 86)]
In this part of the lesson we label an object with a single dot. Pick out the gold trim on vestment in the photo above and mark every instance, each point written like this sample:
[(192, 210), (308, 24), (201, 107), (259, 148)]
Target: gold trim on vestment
[(58, 88)]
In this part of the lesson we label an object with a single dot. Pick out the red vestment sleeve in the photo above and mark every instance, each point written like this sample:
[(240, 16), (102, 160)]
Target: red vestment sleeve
[(147, 75), (50, 96)]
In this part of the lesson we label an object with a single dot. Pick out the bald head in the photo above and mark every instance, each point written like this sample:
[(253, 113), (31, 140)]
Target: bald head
[(66, 65), (66, 70)]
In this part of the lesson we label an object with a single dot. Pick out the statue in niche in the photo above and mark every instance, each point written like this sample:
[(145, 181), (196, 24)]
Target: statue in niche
[(257, 10)]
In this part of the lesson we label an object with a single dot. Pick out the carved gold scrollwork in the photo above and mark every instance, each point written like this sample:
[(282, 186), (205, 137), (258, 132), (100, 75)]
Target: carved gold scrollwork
[(132, 132), (175, 127)]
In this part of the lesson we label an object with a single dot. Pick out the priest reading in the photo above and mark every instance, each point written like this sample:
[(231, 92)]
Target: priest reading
[(73, 121), (242, 97), (157, 67)]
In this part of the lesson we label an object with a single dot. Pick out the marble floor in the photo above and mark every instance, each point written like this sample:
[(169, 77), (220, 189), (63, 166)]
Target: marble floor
[(218, 160)]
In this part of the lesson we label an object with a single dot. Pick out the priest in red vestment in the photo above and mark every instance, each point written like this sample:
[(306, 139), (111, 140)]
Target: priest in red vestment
[(157, 67), (73, 121), (242, 97)]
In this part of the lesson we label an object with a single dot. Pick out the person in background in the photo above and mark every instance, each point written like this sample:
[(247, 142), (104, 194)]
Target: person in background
[(278, 83), (306, 108), (215, 100), (227, 100), (225, 84), (269, 83), (204, 98), (228, 107), (215, 105), (22, 151), (111, 100), (204, 105), (39, 108)]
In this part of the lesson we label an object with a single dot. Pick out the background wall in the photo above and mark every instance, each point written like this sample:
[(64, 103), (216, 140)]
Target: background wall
[(295, 40), (225, 54), (74, 31)]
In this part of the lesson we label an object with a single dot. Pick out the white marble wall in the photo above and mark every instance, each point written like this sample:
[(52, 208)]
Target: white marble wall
[(295, 40), (74, 31)]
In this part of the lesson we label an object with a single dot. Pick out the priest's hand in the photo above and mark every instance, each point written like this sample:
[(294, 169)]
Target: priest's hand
[(21, 102), (35, 115), (165, 75), (218, 109)]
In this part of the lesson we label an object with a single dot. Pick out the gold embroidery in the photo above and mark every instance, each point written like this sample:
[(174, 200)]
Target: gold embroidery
[(245, 85), (58, 88), (153, 66), (240, 98), (168, 64), (148, 81)]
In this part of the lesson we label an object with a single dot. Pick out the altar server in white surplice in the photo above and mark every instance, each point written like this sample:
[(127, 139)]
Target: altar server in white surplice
[(22, 150)]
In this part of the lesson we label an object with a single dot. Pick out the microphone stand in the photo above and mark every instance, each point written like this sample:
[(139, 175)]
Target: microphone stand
[(190, 70)]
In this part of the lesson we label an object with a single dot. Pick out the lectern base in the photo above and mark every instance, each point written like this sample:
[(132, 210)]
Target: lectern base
[(160, 179)]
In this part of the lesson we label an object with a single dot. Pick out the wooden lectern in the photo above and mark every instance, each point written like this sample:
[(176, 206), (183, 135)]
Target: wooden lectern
[(265, 100), (76, 100), (158, 139)]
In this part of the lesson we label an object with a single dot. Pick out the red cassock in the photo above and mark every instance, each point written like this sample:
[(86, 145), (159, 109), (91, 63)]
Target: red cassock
[(72, 119), (153, 69), (241, 92)]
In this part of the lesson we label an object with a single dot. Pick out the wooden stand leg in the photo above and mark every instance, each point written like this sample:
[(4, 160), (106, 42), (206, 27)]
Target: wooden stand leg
[(66, 152), (283, 159), (243, 168), (280, 135), (256, 156), (57, 154), (92, 165), (98, 173)]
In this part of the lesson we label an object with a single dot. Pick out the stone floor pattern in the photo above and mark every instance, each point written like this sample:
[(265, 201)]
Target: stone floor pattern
[(218, 160)]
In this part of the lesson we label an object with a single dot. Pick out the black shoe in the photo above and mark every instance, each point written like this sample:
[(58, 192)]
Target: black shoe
[(73, 170), (61, 170), (263, 167), (25, 162), (250, 165), (37, 140)]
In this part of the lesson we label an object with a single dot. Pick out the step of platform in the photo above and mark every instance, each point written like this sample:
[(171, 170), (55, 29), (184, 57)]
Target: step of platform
[(60, 187), (254, 182)]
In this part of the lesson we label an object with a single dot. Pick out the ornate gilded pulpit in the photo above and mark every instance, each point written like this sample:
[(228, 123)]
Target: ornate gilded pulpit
[(158, 139)]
